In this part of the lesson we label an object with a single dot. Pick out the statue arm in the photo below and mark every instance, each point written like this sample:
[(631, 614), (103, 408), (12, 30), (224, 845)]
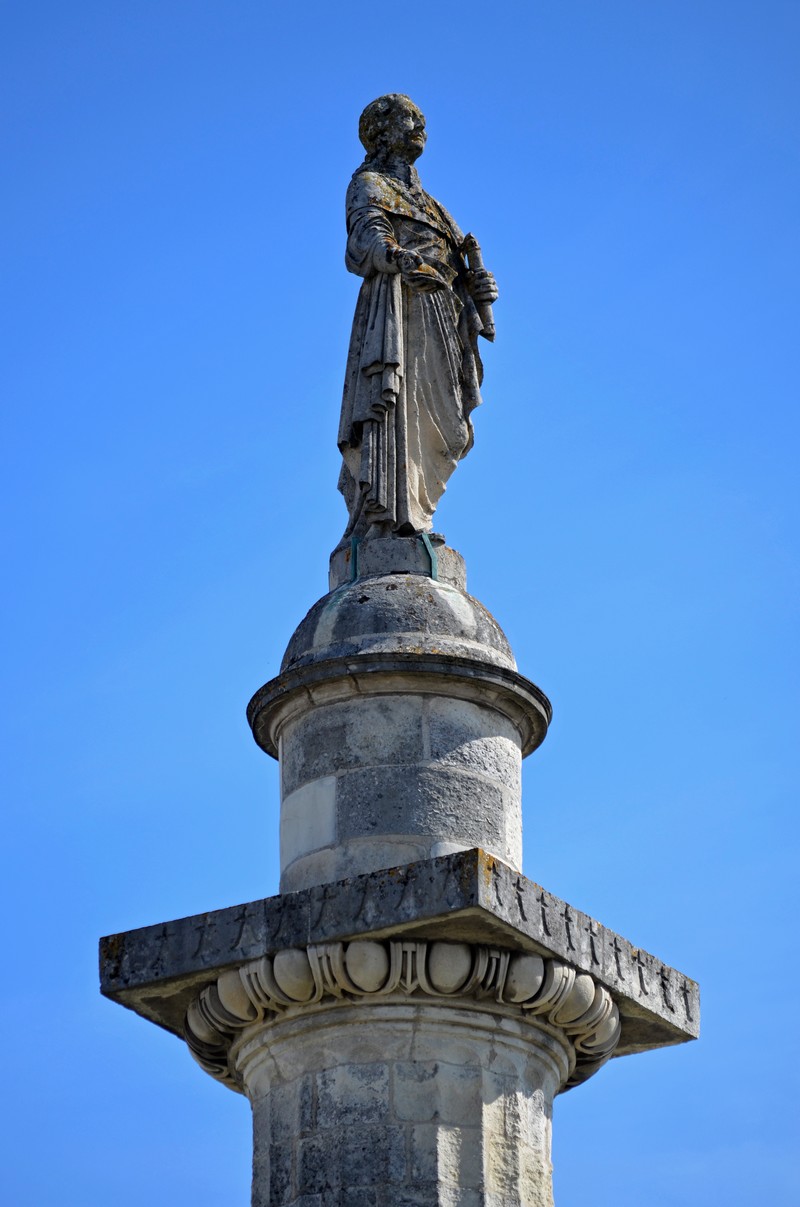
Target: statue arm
[(372, 248), (371, 243)]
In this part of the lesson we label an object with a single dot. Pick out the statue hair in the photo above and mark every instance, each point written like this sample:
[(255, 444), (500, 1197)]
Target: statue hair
[(375, 118)]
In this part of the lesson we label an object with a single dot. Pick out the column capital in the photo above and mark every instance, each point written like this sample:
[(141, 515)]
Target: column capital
[(302, 980)]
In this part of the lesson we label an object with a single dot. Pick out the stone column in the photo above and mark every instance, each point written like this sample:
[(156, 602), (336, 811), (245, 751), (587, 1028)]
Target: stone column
[(402, 1016), (402, 1072), (400, 1105), (400, 722)]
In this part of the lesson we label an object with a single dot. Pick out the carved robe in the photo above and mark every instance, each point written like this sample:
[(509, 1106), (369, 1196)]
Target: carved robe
[(413, 370)]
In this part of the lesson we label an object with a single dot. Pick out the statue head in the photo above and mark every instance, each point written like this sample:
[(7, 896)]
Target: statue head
[(392, 126)]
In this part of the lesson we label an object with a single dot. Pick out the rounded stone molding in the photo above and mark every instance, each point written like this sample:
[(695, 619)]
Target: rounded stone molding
[(398, 613), (540, 991), (343, 680), (395, 634)]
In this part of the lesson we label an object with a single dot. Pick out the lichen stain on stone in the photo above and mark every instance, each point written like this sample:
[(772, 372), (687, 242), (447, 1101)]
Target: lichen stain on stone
[(112, 946), (487, 863), (111, 951)]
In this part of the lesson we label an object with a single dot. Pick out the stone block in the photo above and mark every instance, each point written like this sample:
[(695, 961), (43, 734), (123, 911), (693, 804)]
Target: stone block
[(353, 1094), (307, 1106), (362, 1196), (443, 803), (350, 1158), (308, 819), (446, 1155), (475, 738), (374, 1156), (459, 1093), (369, 854), (316, 1172), (381, 731), (414, 1096), (418, 1196), (397, 555), (280, 1174), (424, 1091)]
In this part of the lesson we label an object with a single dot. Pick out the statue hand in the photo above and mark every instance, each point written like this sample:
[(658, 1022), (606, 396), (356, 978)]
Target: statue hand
[(425, 280), (482, 286), (417, 274), (407, 261)]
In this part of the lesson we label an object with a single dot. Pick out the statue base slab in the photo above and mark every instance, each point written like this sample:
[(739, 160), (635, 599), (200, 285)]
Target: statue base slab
[(427, 555)]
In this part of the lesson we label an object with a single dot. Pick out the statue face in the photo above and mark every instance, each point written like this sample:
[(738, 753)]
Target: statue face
[(405, 131)]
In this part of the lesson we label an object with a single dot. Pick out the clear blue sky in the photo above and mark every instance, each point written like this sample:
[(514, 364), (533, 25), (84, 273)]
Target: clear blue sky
[(175, 320)]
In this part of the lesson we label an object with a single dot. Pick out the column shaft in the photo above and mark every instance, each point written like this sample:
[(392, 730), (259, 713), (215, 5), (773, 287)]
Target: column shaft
[(398, 1105)]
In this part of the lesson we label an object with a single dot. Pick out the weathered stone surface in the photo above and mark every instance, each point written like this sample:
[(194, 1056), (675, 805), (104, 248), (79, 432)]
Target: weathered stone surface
[(397, 730), (387, 730), (398, 555), (466, 896), (308, 823), (392, 1104), (376, 781), (395, 614), (444, 803), (293, 694), (474, 738)]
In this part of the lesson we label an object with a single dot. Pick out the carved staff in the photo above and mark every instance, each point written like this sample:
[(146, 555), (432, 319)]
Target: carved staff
[(470, 248)]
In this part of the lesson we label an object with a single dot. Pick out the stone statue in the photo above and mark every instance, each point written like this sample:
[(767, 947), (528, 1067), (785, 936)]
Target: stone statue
[(413, 369)]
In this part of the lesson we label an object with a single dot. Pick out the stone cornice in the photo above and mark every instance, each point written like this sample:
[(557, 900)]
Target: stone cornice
[(468, 896), (297, 980), (296, 690)]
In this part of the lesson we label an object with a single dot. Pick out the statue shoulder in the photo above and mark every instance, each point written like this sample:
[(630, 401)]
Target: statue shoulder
[(370, 188)]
